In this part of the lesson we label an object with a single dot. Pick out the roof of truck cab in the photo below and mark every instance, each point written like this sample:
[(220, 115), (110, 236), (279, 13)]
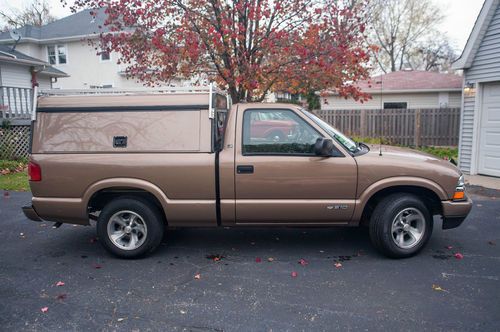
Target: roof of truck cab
[(124, 101)]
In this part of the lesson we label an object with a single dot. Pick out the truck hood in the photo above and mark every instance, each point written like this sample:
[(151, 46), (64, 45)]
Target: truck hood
[(396, 161)]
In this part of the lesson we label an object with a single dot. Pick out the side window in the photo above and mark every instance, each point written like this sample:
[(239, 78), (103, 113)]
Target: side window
[(277, 132)]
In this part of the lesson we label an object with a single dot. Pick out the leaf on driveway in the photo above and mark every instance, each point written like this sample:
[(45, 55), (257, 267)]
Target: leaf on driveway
[(294, 274), (6, 194), (338, 265), (97, 266), (258, 260), (449, 247), (61, 297), (491, 243), (303, 262), (59, 283), (197, 276), (458, 255), (270, 259), (44, 309), (438, 288)]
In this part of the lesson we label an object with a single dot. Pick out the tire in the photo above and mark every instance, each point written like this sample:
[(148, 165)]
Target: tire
[(388, 232), (137, 225)]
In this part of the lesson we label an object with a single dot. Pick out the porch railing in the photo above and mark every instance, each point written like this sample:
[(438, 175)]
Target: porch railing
[(15, 103)]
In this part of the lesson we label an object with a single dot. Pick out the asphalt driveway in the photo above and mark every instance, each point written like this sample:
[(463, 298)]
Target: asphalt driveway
[(241, 279)]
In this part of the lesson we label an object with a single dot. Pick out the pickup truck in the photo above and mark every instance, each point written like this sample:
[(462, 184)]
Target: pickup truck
[(138, 163)]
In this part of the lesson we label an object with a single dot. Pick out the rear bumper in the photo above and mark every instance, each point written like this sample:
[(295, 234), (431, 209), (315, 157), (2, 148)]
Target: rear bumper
[(454, 213), (30, 213)]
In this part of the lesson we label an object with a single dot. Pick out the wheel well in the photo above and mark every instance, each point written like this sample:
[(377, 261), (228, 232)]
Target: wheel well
[(429, 197), (102, 197)]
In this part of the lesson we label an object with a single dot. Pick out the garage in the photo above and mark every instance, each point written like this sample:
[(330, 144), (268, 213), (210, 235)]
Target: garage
[(479, 146), (489, 132)]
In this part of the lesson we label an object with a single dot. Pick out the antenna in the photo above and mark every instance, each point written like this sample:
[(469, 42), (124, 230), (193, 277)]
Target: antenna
[(16, 36)]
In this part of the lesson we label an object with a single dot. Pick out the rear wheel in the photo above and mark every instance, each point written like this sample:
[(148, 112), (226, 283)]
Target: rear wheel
[(400, 225), (130, 227)]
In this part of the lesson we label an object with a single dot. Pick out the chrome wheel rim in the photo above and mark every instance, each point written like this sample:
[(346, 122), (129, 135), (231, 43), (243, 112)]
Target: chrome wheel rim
[(408, 228), (127, 230)]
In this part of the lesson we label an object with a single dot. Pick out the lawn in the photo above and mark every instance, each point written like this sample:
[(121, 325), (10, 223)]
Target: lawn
[(13, 175)]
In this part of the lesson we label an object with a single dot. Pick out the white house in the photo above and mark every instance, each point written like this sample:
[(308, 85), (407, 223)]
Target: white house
[(479, 148), (18, 74), (407, 89), (64, 45)]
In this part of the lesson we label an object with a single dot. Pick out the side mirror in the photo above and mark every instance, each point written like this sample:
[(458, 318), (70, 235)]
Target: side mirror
[(323, 147)]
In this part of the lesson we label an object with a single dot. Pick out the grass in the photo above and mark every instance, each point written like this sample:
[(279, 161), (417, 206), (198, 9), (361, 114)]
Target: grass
[(15, 182), (13, 175), (450, 153)]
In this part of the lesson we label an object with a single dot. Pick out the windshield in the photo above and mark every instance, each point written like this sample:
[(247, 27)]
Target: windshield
[(334, 133)]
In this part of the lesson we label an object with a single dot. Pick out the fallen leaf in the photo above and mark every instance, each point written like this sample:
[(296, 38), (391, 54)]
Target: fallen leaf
[(45, 309), (59, 283), (491, 243), (197, 276), (449, 247), (270, 259), (338, 265), (6, 194), (303, 262), (61, 297), (97, 266), (438, 288), (258, 260), (120, 319), (294, 274), (458, 255), (183, 312)]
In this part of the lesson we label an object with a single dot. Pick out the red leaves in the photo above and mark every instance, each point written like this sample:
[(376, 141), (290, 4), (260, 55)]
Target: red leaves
[(197, 276), (44, 309), (59, 284), (97, 266), (258, 260), (338, 265), (294, 274), (458, 255), (303, 262)]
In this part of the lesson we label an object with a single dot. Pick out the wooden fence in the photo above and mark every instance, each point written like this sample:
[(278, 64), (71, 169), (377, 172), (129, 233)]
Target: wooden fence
[(410, 127)]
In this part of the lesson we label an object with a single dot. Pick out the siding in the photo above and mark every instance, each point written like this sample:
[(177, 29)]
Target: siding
[(414, 100), (15, 75), (485, 67)]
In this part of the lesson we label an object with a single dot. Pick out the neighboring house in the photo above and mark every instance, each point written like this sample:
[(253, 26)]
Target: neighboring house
[(18, 73), (479, 148), (64, 44), (406, 89)]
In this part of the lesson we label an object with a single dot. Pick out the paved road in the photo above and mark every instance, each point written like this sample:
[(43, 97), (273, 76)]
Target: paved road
[(237, 293)]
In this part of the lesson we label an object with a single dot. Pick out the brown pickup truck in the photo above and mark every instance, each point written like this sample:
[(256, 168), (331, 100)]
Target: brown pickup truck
[(138, 163)]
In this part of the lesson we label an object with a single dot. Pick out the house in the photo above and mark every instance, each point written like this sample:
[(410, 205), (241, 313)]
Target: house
[(18, 74), (479, 147), (407, 89), (64, 44)]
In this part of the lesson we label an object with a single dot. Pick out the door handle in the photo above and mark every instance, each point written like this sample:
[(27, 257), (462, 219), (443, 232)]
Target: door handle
[(244, 169)]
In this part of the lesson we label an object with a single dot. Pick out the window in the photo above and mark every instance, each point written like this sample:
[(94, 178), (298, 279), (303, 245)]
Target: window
[(105, 56), (57, 54), (277, 132), (396, 105)]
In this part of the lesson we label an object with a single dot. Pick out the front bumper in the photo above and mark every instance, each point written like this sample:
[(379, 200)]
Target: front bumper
[(454, 213), (30, 213)]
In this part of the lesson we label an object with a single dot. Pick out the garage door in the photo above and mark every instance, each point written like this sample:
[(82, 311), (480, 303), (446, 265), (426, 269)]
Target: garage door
[(489, 137)]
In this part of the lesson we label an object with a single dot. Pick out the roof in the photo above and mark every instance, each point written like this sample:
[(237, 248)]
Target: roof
[(411, 81), (7, 54), (10, 55), (74, 26), (477, 34)]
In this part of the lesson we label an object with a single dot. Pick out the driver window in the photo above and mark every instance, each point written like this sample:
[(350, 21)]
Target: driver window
[(277, 132)]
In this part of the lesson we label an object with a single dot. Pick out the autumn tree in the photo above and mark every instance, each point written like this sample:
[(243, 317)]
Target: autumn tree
[(249, 47), (406, 34), (36, 13)]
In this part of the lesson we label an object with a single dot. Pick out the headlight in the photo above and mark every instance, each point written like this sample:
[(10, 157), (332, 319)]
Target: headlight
[(459, 194)]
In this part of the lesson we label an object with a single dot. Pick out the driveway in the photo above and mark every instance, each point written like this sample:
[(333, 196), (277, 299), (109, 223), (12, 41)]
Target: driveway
[(212, 280)]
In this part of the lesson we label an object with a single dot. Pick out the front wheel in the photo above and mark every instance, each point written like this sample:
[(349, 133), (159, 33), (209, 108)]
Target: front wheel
[(400, 225), (130, 227)]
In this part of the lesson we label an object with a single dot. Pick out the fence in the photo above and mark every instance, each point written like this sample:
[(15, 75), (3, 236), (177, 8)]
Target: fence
[(410, 127)]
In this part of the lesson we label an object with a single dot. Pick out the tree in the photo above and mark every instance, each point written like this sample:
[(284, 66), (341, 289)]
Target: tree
[(37, 13), (402, 29), (433, 54), (250, 47)]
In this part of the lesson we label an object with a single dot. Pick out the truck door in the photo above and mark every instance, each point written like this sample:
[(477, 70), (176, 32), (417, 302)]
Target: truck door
[(279, 179)]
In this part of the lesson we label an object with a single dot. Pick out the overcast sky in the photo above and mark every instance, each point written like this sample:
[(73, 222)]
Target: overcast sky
[(458, 23)]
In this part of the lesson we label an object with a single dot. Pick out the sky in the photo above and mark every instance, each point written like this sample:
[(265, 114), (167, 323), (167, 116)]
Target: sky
[(460, 16)]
